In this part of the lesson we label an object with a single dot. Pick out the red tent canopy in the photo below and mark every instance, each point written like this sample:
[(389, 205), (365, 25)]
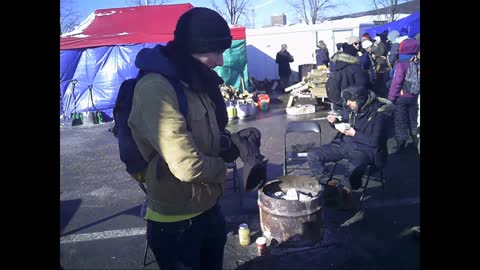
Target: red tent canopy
[(130, 25)]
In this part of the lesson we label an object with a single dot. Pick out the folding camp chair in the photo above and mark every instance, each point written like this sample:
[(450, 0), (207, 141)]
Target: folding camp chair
[(298, 127)]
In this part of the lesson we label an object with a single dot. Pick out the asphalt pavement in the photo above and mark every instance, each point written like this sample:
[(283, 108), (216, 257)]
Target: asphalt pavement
[(101, 226)]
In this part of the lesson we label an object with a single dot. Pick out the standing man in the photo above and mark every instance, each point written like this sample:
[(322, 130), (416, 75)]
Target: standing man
[(346, 72), (321, 54), (283, 60), (379, 53), (186, 174)]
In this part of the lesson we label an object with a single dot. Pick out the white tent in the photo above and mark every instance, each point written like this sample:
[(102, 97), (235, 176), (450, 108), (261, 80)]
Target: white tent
[(301, 39)]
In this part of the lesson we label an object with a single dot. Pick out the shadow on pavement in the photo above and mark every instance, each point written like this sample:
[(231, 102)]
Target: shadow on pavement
[(134, 211), (68, 208)]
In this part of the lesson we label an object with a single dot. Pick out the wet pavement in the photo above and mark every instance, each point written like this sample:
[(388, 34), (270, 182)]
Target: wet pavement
[(101, 227)]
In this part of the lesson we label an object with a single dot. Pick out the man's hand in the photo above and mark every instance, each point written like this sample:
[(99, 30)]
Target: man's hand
[(345, 128), (331, 118), (350, 132), (228, 151)]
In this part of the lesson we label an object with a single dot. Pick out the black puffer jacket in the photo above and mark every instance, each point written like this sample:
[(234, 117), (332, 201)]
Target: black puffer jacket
[(283, 60), (347, 72), (371, 124)]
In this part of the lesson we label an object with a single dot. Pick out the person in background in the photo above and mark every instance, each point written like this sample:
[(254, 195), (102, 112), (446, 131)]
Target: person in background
[(418, 125), (354, 41), (400, 36), (379, 49), (366, 61), (417, 38), (283, 59), (366, 36), (361, 53), (381, 70), (186, 175), (321, 54), (339, 49), (339, 46), (346, 72), (384, 38), (406, 107)]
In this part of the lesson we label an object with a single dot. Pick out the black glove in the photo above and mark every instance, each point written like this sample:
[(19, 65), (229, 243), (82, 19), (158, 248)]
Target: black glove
[(254, 163), (228, 151)]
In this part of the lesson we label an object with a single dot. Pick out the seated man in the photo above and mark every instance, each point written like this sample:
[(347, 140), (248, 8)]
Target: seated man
[(362, 134)]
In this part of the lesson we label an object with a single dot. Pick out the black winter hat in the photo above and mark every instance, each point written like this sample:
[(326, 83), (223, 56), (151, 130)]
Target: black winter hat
[(349, 49), (356, 93), (202, 30)]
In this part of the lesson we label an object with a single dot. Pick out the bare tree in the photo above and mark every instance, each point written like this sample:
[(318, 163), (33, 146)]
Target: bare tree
[(232, 10), (312, 11), (69, 17), (145, 2), (387, 10)]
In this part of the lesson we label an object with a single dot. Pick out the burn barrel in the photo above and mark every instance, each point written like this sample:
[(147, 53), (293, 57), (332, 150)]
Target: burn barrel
[(292, 220)]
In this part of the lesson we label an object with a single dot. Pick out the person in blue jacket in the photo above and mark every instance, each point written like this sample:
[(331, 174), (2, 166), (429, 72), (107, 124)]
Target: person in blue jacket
[(361, 140), (321, 54)]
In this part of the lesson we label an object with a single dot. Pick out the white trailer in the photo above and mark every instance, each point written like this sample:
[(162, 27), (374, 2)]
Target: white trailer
[(264, 43)]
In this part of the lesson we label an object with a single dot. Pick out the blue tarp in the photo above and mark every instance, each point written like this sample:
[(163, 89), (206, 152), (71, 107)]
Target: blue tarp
[(105, 68), (411, 23)]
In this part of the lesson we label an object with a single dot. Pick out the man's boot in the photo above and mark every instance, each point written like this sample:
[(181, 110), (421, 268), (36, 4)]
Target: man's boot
[(345, 198), (331, 193)]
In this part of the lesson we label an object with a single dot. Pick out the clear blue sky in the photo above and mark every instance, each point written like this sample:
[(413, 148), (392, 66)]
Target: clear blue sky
[(263, 8)]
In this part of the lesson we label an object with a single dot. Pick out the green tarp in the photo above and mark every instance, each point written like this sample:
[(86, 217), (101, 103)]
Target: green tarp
[(235, 65)]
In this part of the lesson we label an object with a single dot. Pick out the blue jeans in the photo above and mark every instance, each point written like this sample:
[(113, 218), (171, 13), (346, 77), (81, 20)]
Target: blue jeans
[(197, 242)]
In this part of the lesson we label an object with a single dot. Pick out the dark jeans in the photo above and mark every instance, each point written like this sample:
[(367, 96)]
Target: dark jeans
[(405, 119), (380, 85), (356, 163), (197, 242), (284, 81)]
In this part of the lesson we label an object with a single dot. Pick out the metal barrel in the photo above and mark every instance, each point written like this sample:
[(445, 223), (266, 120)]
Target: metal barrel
[(292, 220)]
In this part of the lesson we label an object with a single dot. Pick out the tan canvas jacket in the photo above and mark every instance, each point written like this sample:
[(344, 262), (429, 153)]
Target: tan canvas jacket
[(192, 174)]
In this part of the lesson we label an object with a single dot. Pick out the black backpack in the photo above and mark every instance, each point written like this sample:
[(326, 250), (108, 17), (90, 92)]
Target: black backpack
[(129, 153)]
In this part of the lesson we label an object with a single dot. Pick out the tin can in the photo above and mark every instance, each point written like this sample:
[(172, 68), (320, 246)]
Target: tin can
[(244, 234), (261, 245), (264, 105)]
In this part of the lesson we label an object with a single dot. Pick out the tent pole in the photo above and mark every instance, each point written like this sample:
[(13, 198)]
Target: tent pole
[(67, 107)]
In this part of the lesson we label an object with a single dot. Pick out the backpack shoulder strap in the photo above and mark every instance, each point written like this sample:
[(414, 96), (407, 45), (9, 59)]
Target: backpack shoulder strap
[(182, 99)]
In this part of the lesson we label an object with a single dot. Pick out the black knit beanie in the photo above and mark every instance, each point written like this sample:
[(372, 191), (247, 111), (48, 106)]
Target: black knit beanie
[(202, 30), (349, 49), (356, 93)]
